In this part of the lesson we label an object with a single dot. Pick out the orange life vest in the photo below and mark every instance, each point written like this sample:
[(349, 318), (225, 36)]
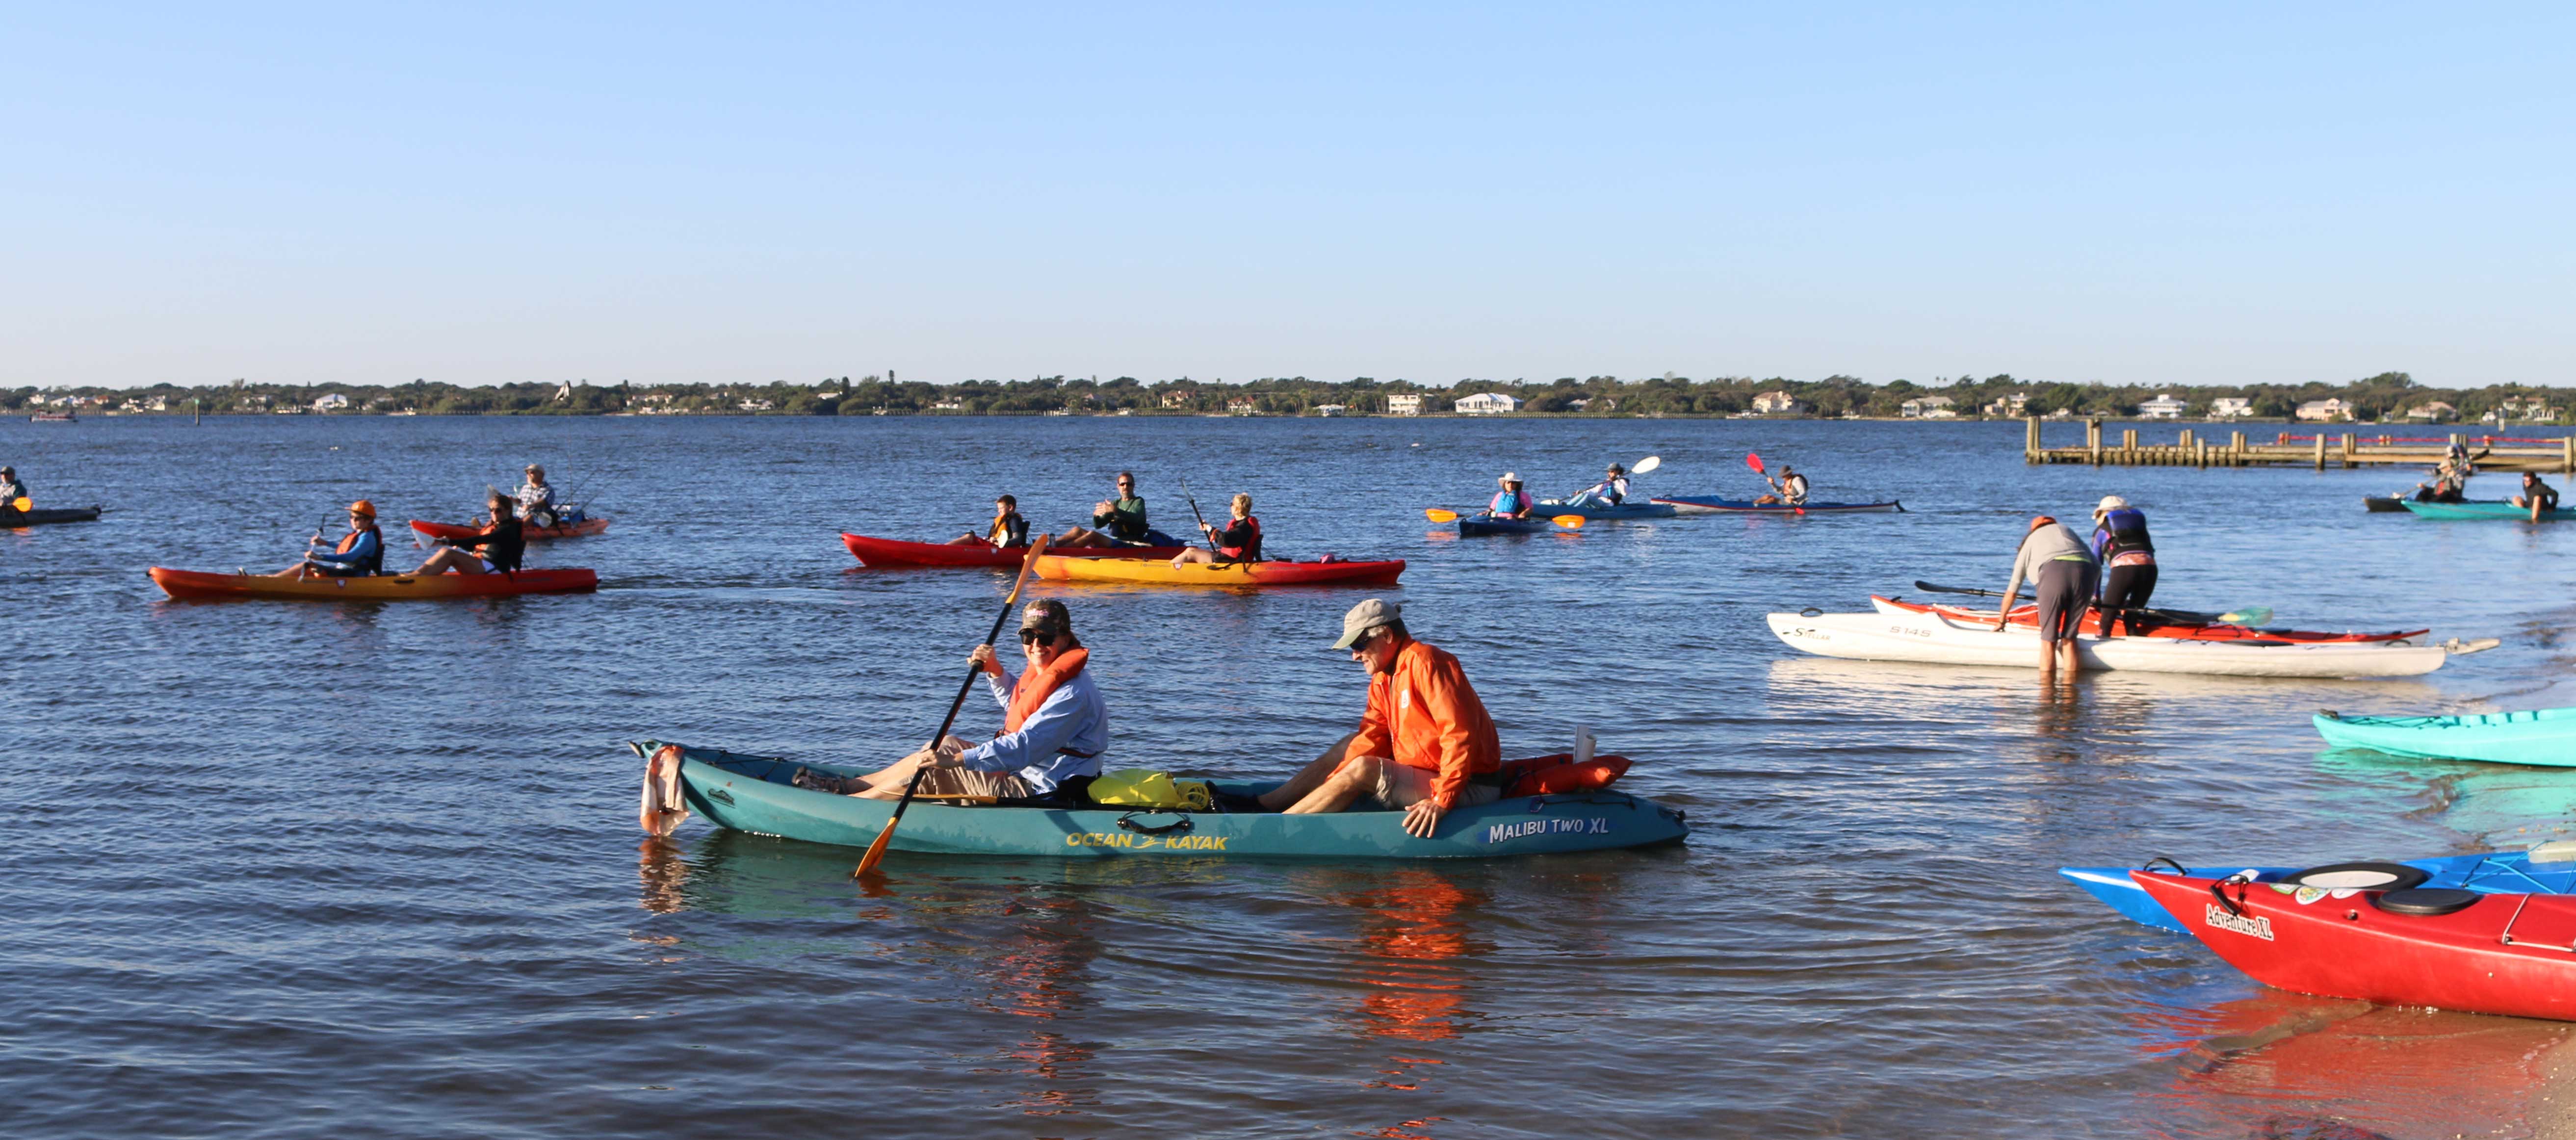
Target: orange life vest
[(1038, 684)]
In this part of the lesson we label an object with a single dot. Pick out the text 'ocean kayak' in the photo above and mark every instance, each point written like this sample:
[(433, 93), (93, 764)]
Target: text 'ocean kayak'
[(1933, 638), (194, 585), (1275, 573), (2545, 737), (1711, 505), (2509, 954), (896, 552), (2165, 623), (2548, 869), (755, 794), (2488, 509), (559, 530)]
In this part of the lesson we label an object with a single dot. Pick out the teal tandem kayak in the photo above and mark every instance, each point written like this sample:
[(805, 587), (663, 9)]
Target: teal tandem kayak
[(2542, 736), (753, 793), (2484, 509), (1589, 510)]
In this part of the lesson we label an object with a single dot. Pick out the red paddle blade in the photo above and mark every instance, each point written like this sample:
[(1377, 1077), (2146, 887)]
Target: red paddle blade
[(1754, 461)]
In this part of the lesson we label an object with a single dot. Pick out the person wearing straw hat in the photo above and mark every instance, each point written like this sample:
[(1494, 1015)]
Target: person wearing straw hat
[(360, 553), (1512, 502), (1425, 744), (2061, 574), (2128, 560)]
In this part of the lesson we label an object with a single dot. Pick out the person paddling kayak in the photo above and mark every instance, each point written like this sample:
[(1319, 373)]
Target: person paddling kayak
[(1425, 744), (2536, 494), (1055, 727), (14, 500), (1238, 541), (1790, 489), (1008, 531), (361, 552), (1118, 522), (1609, 492), (2061, 574), (2128, 561), (503, 544), (1512, 502)]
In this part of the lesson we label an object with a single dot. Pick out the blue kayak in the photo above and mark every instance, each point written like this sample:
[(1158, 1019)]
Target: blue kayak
[(2548, 869), (755, 794), (2545, 737), (1627, 510), (1488, 524)]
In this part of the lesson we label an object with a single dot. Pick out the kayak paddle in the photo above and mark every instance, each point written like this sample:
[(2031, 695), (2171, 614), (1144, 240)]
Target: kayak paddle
[(2250, 615), (1754, 461), (1435, 514), (1570, 522), (1194, 513), (877, 848)]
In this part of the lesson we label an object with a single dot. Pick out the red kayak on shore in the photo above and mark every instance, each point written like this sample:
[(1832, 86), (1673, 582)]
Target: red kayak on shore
[(2162, 623), (896, 552), (559, 530), (2451, 949)]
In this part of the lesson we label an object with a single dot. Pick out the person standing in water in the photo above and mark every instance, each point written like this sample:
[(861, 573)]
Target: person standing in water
[(2128, 562), (2061, 573)]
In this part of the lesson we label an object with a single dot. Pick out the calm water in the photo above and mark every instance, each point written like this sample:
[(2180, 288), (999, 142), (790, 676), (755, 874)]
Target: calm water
[(327, 870)]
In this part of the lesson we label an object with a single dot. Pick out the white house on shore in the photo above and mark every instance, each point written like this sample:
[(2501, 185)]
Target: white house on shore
[(331, 402), (2230, 408), (2325, 411), (1777, 404), (2163, 407), (1404, 404), (2433, 412), (1486, 404), (2009, 404), (1929, 408)]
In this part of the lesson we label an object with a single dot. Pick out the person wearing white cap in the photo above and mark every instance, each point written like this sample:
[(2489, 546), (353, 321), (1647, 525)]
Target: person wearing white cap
[(2128, 559), (1425, 744), (1511, 502)]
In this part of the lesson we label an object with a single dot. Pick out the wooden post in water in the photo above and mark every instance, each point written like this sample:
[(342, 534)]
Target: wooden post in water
[(2321, 451), (2093, 440), (2236, 449), (2030, 452), (2348, 452), (2568, 447), (2129, 446)]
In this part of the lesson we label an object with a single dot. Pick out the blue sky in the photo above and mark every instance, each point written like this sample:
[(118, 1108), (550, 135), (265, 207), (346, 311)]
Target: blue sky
[(2209, 194)]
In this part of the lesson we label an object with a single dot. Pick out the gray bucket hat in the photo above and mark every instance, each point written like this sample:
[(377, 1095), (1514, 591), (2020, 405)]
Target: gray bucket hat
[(1366, 616)]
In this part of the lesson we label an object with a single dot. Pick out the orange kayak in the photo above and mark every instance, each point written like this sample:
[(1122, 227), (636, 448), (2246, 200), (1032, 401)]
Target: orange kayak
[(192, 584), (559, 530), (1278, 573)]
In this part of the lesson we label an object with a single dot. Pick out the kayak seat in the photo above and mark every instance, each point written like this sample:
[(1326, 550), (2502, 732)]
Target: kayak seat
[(2365, 876), (2426, 900)]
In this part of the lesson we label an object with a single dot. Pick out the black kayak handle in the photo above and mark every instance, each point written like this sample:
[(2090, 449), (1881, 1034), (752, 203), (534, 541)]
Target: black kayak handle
[(1128, 822)]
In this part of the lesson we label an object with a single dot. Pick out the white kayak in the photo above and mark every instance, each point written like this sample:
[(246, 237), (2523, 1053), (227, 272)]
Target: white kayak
[(1941, 640)]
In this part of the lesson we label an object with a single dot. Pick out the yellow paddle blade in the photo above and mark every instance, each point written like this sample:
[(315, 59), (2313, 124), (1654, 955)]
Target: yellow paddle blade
[(1436, 514), (22, 503), (1570, 522)]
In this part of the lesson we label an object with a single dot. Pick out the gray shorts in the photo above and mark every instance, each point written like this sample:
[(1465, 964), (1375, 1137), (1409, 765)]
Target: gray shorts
[(2064, 587)]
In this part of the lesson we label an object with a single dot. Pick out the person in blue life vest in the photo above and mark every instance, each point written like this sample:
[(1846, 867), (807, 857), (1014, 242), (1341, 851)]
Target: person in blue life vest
[(1609, 492), (361, 552), (2128, 560), (1239, 540), (1512, 502)]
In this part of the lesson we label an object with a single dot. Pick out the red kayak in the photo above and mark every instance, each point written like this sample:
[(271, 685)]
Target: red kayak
[(896, 552), (2179, 630), (199, 585), (2450, 949), (559, 530)]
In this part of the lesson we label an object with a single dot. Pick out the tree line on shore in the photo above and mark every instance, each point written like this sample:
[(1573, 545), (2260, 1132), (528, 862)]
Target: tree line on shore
[(2389, 396)]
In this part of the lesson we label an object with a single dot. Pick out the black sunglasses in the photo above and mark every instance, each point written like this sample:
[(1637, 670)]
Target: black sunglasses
[(1033, 634)]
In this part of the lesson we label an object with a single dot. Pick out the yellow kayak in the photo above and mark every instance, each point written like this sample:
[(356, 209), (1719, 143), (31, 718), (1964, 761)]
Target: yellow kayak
[(1274, 573)]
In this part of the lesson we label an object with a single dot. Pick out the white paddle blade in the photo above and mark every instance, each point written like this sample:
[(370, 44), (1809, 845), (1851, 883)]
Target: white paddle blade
[(1647, 464)]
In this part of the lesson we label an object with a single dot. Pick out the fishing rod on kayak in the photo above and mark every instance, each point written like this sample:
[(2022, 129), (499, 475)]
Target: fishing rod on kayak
[(877, 848)]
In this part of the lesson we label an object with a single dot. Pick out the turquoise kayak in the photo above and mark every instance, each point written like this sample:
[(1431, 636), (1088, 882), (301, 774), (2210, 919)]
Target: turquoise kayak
[(754, 793), (2484, 509), (2543, 736), (1627, 510)]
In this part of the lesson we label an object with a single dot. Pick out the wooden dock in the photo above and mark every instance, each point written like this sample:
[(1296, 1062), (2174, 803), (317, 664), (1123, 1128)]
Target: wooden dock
[(2190, 449)]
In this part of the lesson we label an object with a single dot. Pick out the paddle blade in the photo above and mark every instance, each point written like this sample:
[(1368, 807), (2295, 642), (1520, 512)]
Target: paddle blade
[(876, 850), (1647, 464), (22, 502), (1570, 522), (1436, 514), (2250, 615), (1754, 461)]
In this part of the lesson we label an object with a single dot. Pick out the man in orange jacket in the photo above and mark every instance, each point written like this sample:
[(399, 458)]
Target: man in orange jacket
[(1425, 744)]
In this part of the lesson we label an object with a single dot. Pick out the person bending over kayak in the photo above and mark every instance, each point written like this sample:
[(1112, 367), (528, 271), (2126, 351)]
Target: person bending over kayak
[(2128, 561), (1511, 502), (1054, 728), (2536, 494), (1609, 492), (1239, 540), (14, 500), (361, 552), (1790, 489), (503, 545), (1118, 522), (2061, 573), (536, 499), (1008, 532), (1425, 744)]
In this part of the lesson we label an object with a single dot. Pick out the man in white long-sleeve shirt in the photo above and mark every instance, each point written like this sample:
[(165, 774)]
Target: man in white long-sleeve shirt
[(1055, 727)]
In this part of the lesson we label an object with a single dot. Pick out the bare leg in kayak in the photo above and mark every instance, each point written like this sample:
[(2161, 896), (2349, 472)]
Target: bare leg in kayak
[(1344, 787), (885, 783), (1307, 779)]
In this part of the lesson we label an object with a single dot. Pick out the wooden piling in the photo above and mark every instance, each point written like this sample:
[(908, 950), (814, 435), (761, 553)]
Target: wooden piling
[(2093, 440)]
